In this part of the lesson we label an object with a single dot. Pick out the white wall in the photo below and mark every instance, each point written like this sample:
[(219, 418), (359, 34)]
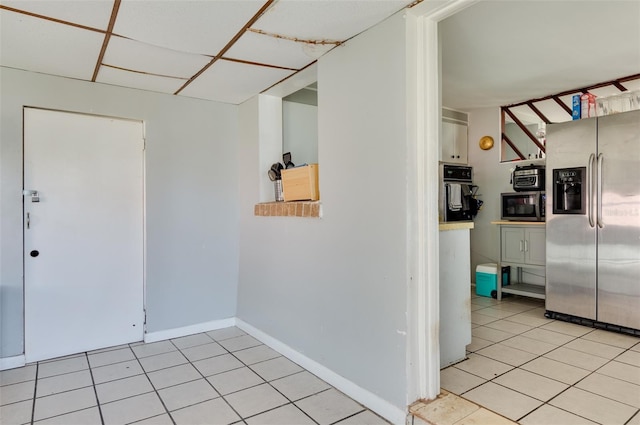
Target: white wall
[(493, 178), (335, 288), (191, 197), (300, 132)]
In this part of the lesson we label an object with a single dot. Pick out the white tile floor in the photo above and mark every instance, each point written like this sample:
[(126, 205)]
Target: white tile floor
[(534, 370), (218, 377)]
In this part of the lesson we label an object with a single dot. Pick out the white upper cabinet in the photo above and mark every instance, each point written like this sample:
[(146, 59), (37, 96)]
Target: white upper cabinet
[(453, 142)]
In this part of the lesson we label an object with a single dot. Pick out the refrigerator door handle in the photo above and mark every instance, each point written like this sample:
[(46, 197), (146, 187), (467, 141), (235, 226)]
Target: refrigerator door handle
[(592, 163), (599, 194)]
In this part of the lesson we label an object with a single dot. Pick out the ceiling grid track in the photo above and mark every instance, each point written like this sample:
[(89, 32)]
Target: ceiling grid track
[(107, 37)]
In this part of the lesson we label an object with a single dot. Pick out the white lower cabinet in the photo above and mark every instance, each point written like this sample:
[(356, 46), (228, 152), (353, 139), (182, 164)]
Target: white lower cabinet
[(522, 245)]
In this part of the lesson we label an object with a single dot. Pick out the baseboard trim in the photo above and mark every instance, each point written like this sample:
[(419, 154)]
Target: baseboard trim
[(189, 330), (12, 362), (380, 406)]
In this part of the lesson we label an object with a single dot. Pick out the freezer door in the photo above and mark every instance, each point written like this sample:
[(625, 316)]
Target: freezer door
[(571, 238), (618, 218)]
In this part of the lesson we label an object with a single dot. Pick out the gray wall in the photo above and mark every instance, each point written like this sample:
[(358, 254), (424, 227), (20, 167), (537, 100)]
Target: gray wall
[(192, 222), (335, 288)]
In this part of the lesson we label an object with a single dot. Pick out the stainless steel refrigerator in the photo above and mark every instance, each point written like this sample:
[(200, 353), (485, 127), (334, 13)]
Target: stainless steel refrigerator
[(593, 221)]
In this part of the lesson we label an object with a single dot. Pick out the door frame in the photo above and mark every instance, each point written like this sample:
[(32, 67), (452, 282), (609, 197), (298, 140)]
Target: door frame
[(144, 216), (423, 123)]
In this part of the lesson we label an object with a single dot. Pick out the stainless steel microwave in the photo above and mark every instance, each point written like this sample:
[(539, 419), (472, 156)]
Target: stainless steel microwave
[(523, 206)]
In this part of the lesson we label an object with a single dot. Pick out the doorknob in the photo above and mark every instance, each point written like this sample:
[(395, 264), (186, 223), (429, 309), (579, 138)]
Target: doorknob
[(33, 193), (34, 253)]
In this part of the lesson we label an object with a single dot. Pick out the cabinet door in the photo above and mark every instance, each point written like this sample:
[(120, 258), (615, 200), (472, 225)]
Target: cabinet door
[(453, 148), (535, 249), (512, 245)]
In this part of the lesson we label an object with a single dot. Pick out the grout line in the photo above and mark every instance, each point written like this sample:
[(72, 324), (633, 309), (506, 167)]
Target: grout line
[(35, 392), (95, 390)]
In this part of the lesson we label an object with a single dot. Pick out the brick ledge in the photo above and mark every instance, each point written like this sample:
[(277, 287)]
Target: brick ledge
[(288, 209)]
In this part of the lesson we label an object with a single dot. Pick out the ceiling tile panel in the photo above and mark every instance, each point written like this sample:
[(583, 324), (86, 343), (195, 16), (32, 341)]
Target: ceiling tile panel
[(328, 19), (118, 77), (94, 13), (43, 46), (233, 82), (202, 27), (136, 56), (262, 48)]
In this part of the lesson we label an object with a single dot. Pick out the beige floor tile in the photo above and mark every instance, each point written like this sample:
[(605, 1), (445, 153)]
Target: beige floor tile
[(576, 358), (19, 374), (62, 403), (629, 357), (458, 381), (61, 383), (489, 334), (59, 367), (287, 414), (621, 371), (275, 368), (484, 301), (235, 380), (239, 343), (635, 347), (593, 407), (192, 340), (529, 318), (547, 415), (123, 388), (481, 319), (215, 411), (173, 376), (217, 364), (483, 367), (153, 349), (205, 351), (531, 384), (187, 394), (302, 384), (506, 354), (116, 371), (615, 389), (496, 312), (556, 370), (163, 361), (17, 392), (329, 406), (132, 409), (104, 350), (529, 345), (16, 413), (367, 417), (255, 400), (257, 354), (163, 419), (226, 333), (613, 338), (90, 416), (485, 417), (549, 337), (508, 326), (478, 343), (446, 409), (596, 348), (110, 357), (567, 328), (502, 400)]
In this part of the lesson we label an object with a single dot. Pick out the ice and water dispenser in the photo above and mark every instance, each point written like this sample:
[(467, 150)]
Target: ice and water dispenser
[(569, 190)]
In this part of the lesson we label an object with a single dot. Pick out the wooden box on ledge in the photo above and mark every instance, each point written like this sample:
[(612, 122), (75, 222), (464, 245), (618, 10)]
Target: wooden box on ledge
[(301, 183)]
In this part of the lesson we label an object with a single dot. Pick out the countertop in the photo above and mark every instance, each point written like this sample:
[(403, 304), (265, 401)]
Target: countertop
[(519, 223), (456, 225)]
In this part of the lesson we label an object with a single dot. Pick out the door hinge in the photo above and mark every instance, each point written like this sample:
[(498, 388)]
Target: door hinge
[(145, 316)]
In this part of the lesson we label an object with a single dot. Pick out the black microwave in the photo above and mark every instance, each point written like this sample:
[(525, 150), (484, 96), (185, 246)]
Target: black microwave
[(523, 206)]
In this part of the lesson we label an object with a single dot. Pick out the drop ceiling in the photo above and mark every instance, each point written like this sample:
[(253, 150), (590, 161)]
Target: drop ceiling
[(226, 51)]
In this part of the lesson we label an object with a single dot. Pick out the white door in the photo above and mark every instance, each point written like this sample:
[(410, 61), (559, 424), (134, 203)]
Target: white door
[(83, 232)]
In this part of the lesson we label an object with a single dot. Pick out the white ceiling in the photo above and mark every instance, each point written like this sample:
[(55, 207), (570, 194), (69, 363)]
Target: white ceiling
[(222, 50), (496, 53)]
